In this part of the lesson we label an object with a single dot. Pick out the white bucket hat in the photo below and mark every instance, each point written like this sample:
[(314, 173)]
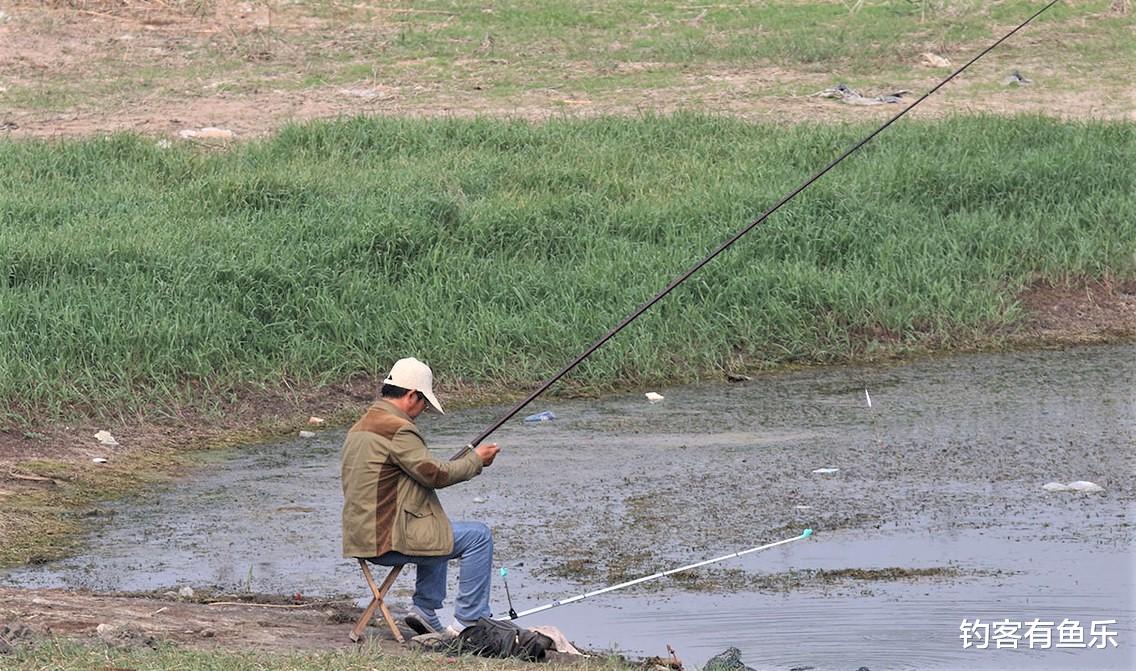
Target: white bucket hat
[(410, 373)]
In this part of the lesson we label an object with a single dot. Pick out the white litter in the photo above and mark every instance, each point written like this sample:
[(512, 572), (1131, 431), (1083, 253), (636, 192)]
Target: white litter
[(478, 499), (105, 438), (1083, 486), (826, 471), (653, 397), (316, 421), (307, 434), (99, 460), (186, 592)]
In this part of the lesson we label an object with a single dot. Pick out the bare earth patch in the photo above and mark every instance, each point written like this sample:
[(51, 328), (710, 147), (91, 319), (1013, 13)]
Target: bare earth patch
[(1094, 313), (130, 620), (82, 68)]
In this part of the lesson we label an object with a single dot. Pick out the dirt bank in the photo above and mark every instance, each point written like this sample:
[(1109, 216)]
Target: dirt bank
[(138, 620)]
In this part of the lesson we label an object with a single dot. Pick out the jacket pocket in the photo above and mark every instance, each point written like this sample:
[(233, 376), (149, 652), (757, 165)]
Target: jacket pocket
[(420, 529)]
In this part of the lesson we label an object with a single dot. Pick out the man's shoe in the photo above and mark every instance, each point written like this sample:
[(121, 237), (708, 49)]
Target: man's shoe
[(423, 621), (456, 627)]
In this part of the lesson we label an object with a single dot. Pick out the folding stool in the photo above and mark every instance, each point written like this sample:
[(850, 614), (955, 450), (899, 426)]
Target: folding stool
[(378, 593)]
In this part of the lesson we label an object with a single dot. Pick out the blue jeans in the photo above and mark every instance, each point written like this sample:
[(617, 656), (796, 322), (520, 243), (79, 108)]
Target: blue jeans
[(473, 544)]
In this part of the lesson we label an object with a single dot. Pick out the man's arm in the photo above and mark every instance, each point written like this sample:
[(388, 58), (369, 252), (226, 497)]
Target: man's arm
[(409, 451)]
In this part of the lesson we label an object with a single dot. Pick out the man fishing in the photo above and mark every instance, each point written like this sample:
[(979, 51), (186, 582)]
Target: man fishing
[(391, 511)]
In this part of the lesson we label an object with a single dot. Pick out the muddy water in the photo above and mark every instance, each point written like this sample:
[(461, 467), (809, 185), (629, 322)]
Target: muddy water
[(936, 514)]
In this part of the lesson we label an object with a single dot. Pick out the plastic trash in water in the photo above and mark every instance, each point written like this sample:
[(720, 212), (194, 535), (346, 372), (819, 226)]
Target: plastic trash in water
[(826, 471), (1083, 486), (653, 397), (545, 416)]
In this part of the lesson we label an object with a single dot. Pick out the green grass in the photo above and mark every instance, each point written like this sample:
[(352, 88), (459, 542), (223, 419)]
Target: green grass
[(60, 654), (567, 42), (785, 32), (497, 249)]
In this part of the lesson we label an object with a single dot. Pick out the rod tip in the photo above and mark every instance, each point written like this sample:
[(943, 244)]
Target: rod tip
[(806, 533)]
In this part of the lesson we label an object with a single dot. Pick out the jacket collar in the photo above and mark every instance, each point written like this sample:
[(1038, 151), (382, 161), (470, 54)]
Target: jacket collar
[(385, 406)]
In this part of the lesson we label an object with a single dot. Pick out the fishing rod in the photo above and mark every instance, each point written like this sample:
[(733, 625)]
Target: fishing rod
[(730, 241), (580, 597)]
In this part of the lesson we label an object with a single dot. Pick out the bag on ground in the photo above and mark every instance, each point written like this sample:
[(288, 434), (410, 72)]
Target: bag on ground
[(502, 639)]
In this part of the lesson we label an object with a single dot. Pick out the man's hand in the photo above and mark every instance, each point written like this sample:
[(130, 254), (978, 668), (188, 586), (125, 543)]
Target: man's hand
[(487, 452)]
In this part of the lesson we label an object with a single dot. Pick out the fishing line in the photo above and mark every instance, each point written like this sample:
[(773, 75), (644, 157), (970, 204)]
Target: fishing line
[(729, 242), (580, 597)]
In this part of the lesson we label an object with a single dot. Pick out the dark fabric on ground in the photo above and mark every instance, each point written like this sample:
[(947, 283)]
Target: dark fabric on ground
[(502, 639)]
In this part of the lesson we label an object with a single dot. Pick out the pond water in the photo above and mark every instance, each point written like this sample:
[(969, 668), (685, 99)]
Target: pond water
[(936, 514)]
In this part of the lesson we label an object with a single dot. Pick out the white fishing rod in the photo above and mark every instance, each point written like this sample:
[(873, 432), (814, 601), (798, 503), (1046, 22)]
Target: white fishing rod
[(580, 597)]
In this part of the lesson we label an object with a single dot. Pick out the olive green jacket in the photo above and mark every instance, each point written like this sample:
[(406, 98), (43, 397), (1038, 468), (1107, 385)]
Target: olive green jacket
[(389, 478)]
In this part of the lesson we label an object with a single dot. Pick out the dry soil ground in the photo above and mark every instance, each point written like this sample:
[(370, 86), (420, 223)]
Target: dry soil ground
[(79, 67)]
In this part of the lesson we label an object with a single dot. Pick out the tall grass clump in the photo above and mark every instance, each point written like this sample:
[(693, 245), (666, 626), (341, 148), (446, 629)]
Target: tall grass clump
[(497, 249)]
